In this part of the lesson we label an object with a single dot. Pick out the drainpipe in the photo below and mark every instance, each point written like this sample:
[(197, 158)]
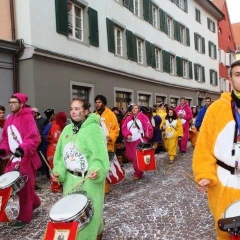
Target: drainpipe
[(12, 20)]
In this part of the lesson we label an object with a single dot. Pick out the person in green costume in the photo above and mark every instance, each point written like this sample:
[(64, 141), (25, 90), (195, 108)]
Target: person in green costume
[(82, 151)]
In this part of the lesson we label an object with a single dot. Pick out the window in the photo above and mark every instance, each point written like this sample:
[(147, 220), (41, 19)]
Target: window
[(172, 64), (123, 99), (219, 55), (136, 7), (213, 77), (183, 5), (169, 27), (197, 15), (211, 25), (212, 50), (199, 72), (185, 69), (173, 102), (118, 41), (160, 99), (139, 51), (158, 58), (199, 43), (154, 14), (182, 34), (143, 100), (75, 21)]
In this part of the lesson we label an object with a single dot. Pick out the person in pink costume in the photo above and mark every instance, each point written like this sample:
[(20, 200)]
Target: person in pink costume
[(184, 112), (136, 128), (20, 140)]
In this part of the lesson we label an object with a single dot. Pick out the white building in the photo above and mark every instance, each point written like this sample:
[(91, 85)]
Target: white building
[(128, 50)]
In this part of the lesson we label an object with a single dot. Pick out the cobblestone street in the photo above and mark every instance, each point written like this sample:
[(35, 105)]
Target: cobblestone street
[(163, 205)]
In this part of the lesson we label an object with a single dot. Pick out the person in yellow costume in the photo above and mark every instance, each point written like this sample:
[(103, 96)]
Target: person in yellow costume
[(216, 159), (173, 130)]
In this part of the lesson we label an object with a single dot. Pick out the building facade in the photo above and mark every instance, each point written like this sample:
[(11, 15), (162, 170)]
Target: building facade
[(139, 51), (236, 34)]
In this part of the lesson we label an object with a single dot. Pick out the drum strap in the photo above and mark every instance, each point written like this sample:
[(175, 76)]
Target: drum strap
[(225, 166)]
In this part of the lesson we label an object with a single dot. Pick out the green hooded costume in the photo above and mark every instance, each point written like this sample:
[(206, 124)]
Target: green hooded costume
[(84, 151)]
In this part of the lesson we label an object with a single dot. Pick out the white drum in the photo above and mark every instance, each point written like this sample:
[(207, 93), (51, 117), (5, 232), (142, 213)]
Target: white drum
[(73, 207), (233, 210), (13, 179)]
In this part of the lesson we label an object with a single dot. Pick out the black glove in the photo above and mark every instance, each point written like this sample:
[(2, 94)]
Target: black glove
[(2, 151), (19, 152)]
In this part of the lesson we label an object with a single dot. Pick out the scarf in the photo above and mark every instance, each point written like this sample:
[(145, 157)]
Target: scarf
[(236, 98)]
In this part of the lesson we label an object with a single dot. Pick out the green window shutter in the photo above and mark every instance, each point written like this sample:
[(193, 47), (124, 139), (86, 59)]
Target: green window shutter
[(210, 73), (61, 17), (148, 53), (126, 3), (129, 36), (203, 74), (131, 5), (216, 80), (162, 20), (153, 56), (178, 31), (175, 29), (190, 70), (150, 12), (134, 44), (214, 28), (195, 71), (166, 61), (188, 37), (208, 23), (186, 6), (209, 48), (179, 67), (215, 52), (146, 10), (93, 27), (110, 34), (195, 41), (203, 45)]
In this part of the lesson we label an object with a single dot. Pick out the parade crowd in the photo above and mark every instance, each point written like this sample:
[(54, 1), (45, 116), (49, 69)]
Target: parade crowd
[(75, 154)]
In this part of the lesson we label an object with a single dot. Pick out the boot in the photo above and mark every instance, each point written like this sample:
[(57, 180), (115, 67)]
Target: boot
[(119, 158), (99, 237)]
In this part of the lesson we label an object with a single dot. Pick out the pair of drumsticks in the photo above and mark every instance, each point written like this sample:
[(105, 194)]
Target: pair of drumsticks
[(191, 178)]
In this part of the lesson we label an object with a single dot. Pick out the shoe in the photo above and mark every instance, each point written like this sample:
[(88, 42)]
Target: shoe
[(183, 152), (18, 224), (37, 187), (136, 178), (170, 162)]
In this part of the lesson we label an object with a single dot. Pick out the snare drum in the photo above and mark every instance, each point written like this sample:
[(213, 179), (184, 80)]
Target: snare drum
[(233, 210), (13, 179), (116, 173), (73, 207)]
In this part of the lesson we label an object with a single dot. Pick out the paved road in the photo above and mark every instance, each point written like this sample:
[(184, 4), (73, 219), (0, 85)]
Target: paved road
[(163, 205)]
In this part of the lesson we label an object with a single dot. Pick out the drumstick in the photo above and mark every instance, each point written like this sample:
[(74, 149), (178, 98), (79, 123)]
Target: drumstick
[(191, 178), (81, 181)]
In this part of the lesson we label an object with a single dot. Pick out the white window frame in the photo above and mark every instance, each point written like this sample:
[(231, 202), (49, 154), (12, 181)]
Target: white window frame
[(158, 58), (182, 4), (172, 65), (139, 51), (212, 50), (170, 26), (197, 15), (199, 43), (182, 34), (199, 73), (136, 7), (211, 25), (185, 69), (72, 16), (118, 48), (154, 15)]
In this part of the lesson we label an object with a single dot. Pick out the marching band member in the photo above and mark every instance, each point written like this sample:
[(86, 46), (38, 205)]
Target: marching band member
[(20, 138), (80, 151)]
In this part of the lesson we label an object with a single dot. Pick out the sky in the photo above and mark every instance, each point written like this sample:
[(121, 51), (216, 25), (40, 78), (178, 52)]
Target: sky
[(234, 10)]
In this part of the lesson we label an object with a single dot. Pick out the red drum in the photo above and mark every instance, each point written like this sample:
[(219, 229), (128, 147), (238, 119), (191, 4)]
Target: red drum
[(116, 173), (146, 157)]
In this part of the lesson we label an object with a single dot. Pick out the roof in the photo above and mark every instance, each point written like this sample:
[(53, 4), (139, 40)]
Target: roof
[(236, 32), (219, 3)]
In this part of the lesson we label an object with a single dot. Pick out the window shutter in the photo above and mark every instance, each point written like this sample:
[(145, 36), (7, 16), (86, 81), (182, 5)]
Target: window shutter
[(126, 3), (215, 52), (179, 67), (131, 5), (153, 56), (162, 20), (148, 53), (134, 44), (175, 29), (195, 41), (203, 45), (166, 61), (195, 72), (110, 34), (210, 72), (178, 31), (188, 36), (146, 10), (203, 74), (216, 78), (93, 27), (61, 17), (129, 36), (209, 48), (214, 29), (186, 6), (150, 12), (190, 70), (208, 23)]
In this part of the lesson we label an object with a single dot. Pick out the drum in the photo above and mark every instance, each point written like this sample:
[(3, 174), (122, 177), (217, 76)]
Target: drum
[(231, 221), (13, 179), (116, 173), (73, 207), (145, 157)]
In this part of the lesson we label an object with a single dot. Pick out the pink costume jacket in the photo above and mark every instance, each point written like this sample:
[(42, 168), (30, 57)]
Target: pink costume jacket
[(21, 130)]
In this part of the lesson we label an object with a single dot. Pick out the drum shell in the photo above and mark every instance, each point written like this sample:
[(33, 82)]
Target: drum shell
[(146, 159)]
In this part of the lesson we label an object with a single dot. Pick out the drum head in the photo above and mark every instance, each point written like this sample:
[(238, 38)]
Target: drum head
[(233, 210), (68, 207), (7, 179)]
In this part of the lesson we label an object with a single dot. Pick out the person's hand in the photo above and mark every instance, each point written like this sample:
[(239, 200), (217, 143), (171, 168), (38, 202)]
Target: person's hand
[(55, 177), (203, 184), (179, 138), (2, 151), (147, 136), (108, 138), (129, 137), (19, 152), (92, 175)]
